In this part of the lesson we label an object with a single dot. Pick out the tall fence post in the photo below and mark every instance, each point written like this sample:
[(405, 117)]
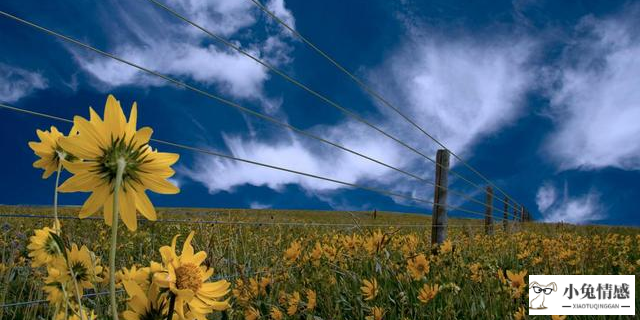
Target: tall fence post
[(439, 216), (521, 213), (505, 217), (488, 213)]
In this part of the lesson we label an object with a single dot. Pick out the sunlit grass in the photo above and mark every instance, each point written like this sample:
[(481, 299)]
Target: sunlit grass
[(469, 282)]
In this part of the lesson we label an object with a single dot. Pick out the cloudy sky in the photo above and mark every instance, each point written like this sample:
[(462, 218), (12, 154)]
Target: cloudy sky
[(543, 97)]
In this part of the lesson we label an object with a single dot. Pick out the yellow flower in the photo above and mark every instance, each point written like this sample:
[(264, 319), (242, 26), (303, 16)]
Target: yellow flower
[(53, 286), (186, 279), (251, 313), (311, 299), (428, 292), (74, 314), (330, 252), (293, 252), (554, 317), (144, 304), (49, 151), (517, 279), (446, 247), (85, 273), (316, 253), (43, 249), (520, 314), (418, 267), (141, 276), (369, 289), (375, 243), (501, 277), (376, 314), (104, 144), (276, 314), (476, 272), (294, 301), (264, 283)]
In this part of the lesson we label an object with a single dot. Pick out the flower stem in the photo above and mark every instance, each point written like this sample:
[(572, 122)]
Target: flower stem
[(114, 238), (56, 223), (172, 305)]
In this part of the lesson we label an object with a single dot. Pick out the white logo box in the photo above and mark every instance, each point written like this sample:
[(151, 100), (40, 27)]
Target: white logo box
[(582, 294)]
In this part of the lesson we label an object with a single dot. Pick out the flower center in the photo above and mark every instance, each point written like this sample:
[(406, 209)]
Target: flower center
[(80, 271), (122, 150), (189, 276), (50, 247)]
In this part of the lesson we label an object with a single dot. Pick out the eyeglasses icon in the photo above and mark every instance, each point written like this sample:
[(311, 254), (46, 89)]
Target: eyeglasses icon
[(546, 291)]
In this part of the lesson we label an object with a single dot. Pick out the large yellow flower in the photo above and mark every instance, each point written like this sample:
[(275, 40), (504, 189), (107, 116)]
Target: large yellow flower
[(49, 151), (186, 279), (43, 249), (144, 304), (85, 271), (102, 145), (53, 286)]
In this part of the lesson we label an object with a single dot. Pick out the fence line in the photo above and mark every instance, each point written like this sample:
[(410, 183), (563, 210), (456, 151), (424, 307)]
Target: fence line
[(319, 96), (222, 155), (196, 90), (379, 97)]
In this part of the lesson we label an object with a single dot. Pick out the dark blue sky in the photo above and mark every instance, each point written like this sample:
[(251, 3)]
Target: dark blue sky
[(540, 96)]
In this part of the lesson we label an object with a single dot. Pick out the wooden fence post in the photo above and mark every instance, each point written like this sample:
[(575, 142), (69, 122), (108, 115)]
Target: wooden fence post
[(439, 215), (505, 217), (488, 213), (521, 213)]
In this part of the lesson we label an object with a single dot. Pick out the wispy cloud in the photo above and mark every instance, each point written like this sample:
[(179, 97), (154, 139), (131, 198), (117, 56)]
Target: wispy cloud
[(458, 89), (595, 98), (16, 83), (545, 197), (162, 43), (581, 209)]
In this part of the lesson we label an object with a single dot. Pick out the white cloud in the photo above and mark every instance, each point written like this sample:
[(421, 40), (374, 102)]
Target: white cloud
[(259, 205), (579, 210), (458, 90), (545, 197), (295, 153), (16, 83), (277, 8), (162, 43), (233, 73), (224, 17), (596, 100)]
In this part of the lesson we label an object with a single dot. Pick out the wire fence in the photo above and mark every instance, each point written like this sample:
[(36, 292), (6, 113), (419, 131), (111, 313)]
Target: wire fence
[(231, 157), (217, 98), (369, 90), (332, 103)]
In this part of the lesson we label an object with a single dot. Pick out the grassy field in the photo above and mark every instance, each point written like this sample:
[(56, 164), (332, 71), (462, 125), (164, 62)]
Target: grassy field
[(293, 265)]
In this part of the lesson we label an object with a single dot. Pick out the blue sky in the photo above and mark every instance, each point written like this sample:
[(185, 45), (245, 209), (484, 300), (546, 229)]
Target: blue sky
[(541, 96)]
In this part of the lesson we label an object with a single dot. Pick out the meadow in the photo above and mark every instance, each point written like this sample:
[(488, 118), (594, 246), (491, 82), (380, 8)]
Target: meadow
[(326, 264)]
